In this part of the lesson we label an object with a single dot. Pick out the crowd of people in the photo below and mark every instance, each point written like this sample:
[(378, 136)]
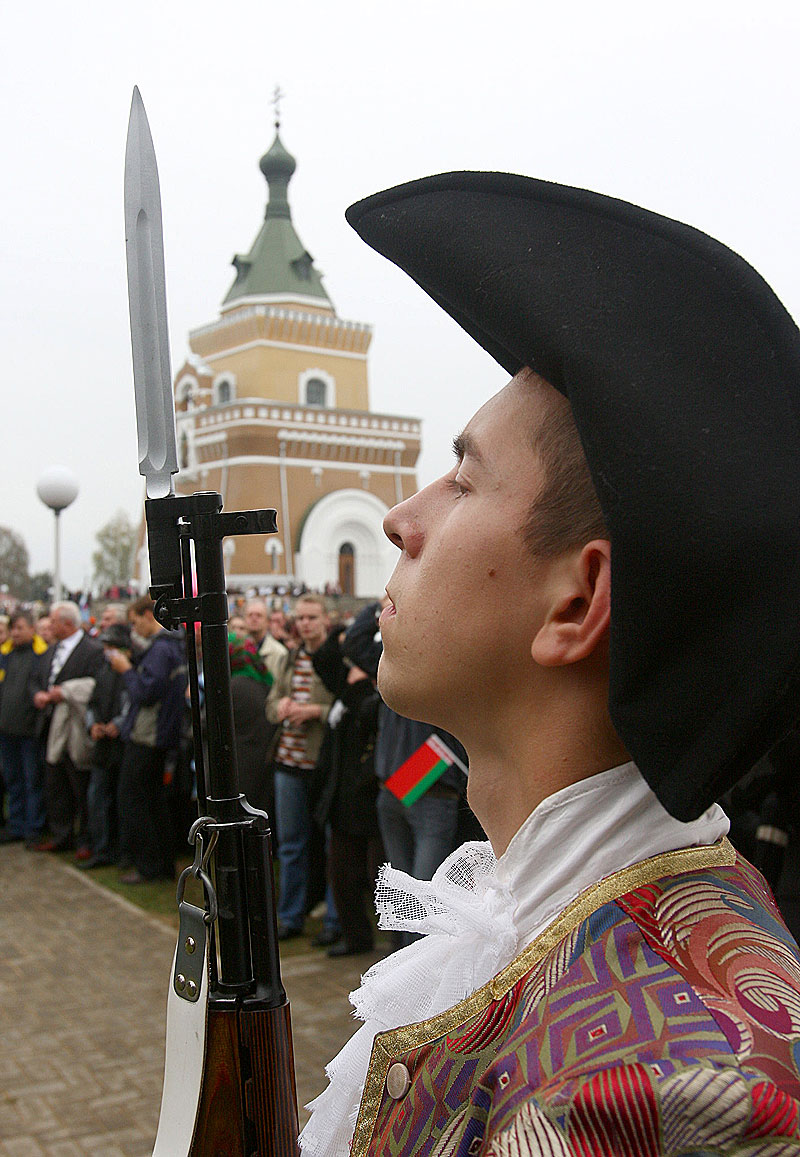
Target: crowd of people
[(97, 758)]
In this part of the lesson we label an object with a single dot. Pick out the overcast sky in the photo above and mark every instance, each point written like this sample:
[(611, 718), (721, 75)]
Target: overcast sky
[(689, 109)]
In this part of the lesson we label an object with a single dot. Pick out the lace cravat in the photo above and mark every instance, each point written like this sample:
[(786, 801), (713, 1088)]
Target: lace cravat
[(467, 916)]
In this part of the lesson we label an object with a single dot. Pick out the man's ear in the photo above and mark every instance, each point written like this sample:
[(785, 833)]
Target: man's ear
[(578, 619)]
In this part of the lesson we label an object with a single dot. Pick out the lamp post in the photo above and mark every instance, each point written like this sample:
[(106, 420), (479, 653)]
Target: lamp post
[(57, 488)]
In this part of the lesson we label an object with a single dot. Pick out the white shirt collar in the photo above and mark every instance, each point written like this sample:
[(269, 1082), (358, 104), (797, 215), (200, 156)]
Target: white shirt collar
[(587, 831)]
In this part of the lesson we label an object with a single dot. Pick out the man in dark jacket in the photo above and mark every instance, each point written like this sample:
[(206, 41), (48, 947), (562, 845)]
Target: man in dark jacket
[(346, 792), (63, 677), (21, 767), (105, 720), (156, 686)]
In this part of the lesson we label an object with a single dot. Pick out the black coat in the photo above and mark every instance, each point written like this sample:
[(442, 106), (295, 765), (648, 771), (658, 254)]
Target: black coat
[(17, 712), (85, 660), (252, 735), (345, 783), (109, 701)]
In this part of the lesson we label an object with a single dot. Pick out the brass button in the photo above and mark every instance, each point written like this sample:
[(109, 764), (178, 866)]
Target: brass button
[(398, 1081)]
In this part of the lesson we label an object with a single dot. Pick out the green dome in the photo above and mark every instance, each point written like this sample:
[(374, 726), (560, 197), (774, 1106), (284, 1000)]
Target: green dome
[(277, 162), (278, 262)]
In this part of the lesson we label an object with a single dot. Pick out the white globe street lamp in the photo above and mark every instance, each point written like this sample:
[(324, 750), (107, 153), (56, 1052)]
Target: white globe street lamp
[(57, 488)]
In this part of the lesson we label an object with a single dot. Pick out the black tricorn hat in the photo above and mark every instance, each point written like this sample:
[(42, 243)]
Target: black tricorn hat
[(683, 372)]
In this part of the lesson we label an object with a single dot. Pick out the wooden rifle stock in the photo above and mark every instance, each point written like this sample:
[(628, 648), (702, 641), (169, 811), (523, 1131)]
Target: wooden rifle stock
[(248, 1103)]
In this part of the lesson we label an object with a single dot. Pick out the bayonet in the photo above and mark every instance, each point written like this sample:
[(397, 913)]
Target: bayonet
[(147, 300)]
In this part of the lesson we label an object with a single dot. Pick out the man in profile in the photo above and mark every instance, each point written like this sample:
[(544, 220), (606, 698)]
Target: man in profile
[(599, 600)]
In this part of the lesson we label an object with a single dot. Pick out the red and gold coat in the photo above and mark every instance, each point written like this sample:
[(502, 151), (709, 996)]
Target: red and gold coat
[(659, 1014)]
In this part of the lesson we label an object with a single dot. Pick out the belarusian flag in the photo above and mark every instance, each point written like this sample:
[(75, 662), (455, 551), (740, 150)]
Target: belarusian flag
[(421, 770)]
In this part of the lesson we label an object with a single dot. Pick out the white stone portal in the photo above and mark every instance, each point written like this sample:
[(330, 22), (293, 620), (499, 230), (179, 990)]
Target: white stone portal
[(352, 517)]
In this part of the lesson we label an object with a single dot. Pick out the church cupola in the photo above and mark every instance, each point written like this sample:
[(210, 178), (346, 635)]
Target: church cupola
[(278, 267), (278, 165)]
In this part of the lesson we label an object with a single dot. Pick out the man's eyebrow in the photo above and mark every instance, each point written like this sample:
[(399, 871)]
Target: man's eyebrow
[(464, 444)]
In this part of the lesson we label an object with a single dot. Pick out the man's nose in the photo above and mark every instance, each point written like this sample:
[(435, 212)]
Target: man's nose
[(401, 526), (391, 527)]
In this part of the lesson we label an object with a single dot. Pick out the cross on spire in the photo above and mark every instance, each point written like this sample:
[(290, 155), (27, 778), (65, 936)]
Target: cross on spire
[(277, 97)]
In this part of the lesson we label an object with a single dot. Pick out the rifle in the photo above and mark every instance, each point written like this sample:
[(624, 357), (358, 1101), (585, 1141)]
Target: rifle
[(229, 1084)]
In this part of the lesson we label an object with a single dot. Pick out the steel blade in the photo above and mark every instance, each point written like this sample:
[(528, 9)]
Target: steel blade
[(147, 299)]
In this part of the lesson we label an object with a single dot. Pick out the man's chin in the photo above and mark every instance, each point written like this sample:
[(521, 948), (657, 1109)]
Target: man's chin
[(401, 692), (394, 688)]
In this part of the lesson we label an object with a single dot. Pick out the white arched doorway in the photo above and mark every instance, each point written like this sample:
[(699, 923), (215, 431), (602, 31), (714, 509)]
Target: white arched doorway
[(347, 524)]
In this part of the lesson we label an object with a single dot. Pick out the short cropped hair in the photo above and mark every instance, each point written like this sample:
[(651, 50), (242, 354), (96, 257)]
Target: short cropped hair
[(70, 612), (566, 513), (21, 617), (141, 605), (312, 598)]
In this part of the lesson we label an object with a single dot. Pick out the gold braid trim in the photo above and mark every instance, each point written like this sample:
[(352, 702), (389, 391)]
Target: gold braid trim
[(388, 1046)]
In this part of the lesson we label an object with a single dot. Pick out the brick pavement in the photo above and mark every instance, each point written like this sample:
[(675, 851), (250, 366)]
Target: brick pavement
[(83, 978)]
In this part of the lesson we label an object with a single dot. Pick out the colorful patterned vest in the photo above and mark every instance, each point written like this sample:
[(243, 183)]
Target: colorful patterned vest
[(659, 1014)]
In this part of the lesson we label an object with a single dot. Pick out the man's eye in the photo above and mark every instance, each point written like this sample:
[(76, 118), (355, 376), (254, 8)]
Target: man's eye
[(458, 487)]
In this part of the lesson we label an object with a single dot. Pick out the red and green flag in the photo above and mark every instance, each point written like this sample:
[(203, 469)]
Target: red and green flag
[(422, 769)]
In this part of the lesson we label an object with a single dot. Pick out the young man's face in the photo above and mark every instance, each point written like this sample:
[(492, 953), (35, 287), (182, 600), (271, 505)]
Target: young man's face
[(144, 624), (467, 596), (312, 624), (256, 618)]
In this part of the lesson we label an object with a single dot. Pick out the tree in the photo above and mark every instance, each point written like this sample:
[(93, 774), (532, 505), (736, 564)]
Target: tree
[(13, 563), (113, 559), (41, 586)]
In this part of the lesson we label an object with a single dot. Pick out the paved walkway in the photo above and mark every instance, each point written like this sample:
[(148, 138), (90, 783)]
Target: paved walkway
[(83, 977)]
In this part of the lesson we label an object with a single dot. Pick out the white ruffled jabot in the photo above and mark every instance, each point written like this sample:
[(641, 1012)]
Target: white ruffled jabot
[(468, 918), (478, 913)]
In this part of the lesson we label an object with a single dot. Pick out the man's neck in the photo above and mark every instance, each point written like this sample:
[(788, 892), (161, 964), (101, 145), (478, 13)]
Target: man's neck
[(534, 752)]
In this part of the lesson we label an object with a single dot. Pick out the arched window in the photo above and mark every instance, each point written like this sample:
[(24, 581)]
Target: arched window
[(223, 389), (315, 392), (274, 553), (186, 393)]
